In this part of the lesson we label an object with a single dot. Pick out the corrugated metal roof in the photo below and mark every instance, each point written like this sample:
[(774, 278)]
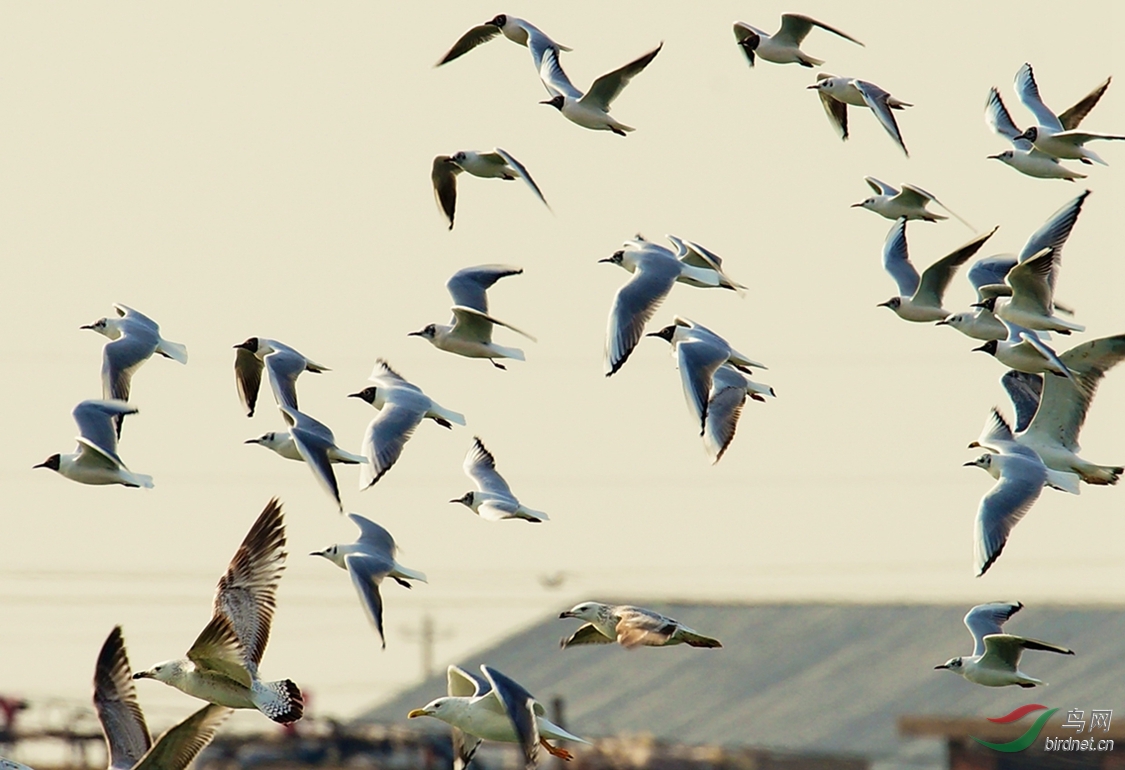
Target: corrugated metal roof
[(808, 677)]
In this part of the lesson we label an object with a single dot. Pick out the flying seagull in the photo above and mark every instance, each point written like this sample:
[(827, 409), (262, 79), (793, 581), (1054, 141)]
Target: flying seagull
[(783, 46), (283, 363), (493, 500), (222, 665), (496, 164), (837, 93), (909, 202), (630, 627), (995, 661), (1049, 135), (95, 460), (590, 109)]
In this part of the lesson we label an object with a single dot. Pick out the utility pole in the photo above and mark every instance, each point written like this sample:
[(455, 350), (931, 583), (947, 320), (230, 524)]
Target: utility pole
[(427, 636)]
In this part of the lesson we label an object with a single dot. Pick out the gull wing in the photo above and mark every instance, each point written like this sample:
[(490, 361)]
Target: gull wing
[(313, 440), (633, 306), (1003, 651), (524, 175), (1071, 117), (609, 86), (176, 748), (877, 99), (552, 75), (1055, 231), (916, 195), (1033, 281), (95, 420), (987, 619), (997, 117), (468, 41), (367, 572), (837, 111), (699, 256), (1025, 391), (1020, 334), (247, 593), (115, 699), (880, 187), (744, 32), (387, 377), (896, 259), (997, 433), (724, 409), (124, 311), (498, 510), (1062, 410), (795, 26), (477, 325), (122, 357), (377, 539), (469, 286), (248, 377), (1028, 92), (480, 466), (520, 708), (936, 278), (307, 424), (698, 359), (990, 271), (384, 439), (443, 176), (1081, 137), (217, 649), (284, 367), (637, 627), (1005, 504), (587, 634)]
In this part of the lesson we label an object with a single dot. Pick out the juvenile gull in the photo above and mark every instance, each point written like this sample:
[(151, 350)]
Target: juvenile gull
[(590, 109), (783, 46), (493, 500), (222, 665), (630, 627), (496, 164), (837, 93), (995, 661), (496, 708), (282, 362), (367, 561), (95, 460)]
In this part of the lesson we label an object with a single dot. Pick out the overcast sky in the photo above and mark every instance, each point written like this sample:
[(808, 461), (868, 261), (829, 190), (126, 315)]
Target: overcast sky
[(263, 169)]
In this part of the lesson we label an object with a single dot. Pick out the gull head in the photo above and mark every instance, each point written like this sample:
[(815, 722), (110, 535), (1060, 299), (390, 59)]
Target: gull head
[(556, 102), (957, 320), (252, 344), (465, 499), (332, 553), (617, 258), (666, 334), (984, 461), (104, 326), (894, 303), (750, 42), (459, 157), (51, 462), (500, 21), (1031, 134), (868, 203), (367, 394), (1005, 156), (953, 664), (584, 611), (428, 333), (988, 347), (161, 672), (269, 440), (441, 708)]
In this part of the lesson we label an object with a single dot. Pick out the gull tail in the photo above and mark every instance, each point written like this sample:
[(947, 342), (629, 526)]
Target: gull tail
[(280, 701), (807, 61), (699, 640), (173, 350), (1101, 474), (136, 479), (532, 516), (409, 574), (449, 415), (338, 455), (513, 353), (1063, 481)]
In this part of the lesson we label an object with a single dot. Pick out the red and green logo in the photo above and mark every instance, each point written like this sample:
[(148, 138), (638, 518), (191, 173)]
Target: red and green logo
[(1028, 738)]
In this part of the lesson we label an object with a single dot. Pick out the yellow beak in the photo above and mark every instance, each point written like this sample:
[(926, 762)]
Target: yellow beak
[(417, 713)]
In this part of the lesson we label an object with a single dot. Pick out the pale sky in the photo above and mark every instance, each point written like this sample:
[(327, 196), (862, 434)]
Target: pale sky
[(263, 169)]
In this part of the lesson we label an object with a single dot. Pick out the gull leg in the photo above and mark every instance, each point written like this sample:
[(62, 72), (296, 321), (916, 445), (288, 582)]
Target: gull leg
[(498, 366), (555, 751)]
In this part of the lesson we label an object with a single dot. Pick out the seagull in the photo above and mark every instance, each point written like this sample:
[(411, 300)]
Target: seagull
[(909, 202), (920, 298), (470, 332), (1050, 136), (980, 323), (997, 436), (692, 254), (729, 391), (655, 269), (837, 93), (1033, 289), (367, 561), (496, 164), (95, 460), (402, 405), (1024, 157), (1025, 351), (496, 708), (313, 443), (995, 661), (493, 500), (1050, 423), (699, 354), (589, 110), (516, 30), (630, 627), (283, 363), (126, 734), (134, 337), (222, 665), (783, 46)]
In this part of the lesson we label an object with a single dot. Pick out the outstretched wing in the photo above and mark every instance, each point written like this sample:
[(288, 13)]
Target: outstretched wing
[(997, 117), (175, 749), (1028, 92), (525, 175), (1071, 117), (795, 26), (443, 176), (986, 619), (634, 305), (115, 699), (935, 278), (896, 259), (520, 708), (469, 41), (469, 286), (607, 88), (878, 100), (480, 466), (384, 440), (1024, 390)]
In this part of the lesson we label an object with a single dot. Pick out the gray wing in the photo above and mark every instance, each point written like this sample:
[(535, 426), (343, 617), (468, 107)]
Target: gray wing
[(115, 699), (95, 421), (121, 357), (1062, 411), (175, 749), (1002, 508), (896, 259), (384, 375), (1032, 282), (284, 366), (552, 75), (633, 306), (997, 432), (367, 572), (607, 88), (307, 423), (469, 41), (465, 684), (1055, 231), (986, 619), (1004, 650), (480, 466), (990, 271), (723, 412), (876, 98), (698, 359), (248, 378), (587, 634), (836, 110), (936, 278), (313, 445), (520, 708), (1025, 390), (1073, 116), (748, 40), (469, 286), (1028, 92), (880, 187), (637, 627), (384, 439), (795, 26), (998, 118), (1017, 334), (247, 593), (524, 174), (443, 176), (217, 649), (377, 539)]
